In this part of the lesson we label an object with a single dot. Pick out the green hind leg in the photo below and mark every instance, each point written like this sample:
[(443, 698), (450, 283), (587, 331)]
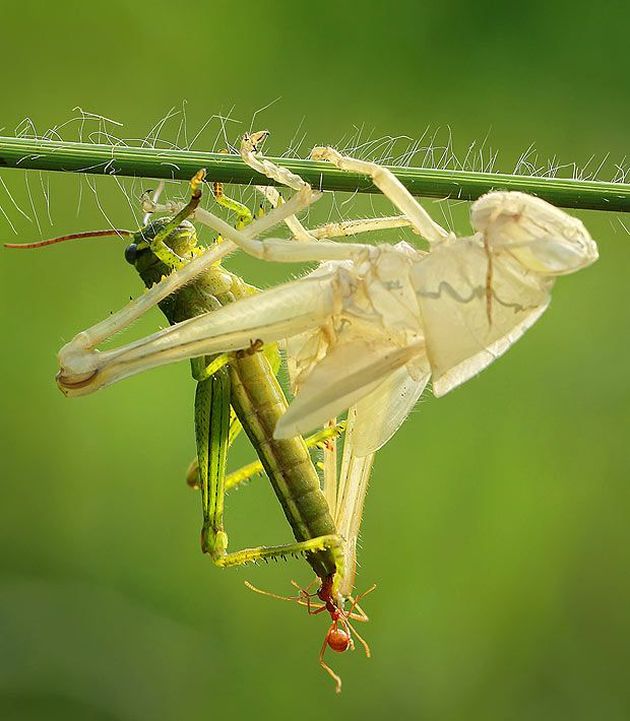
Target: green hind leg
[(246, 473), (212, 428)]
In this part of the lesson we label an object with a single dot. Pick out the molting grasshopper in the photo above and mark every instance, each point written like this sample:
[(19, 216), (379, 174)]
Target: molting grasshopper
[(240, 390), (366, 331)]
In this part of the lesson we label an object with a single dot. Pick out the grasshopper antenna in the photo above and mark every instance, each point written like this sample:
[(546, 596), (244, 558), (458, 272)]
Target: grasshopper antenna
[(121, 233)]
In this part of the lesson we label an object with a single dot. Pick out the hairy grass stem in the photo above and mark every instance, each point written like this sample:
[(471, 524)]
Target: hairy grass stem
[(121, 160)]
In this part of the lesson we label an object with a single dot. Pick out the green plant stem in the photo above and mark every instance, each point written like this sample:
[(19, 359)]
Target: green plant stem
[(37, 154)]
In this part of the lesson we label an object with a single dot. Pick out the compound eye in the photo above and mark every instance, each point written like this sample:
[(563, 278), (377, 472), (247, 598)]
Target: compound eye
[(131, 253)]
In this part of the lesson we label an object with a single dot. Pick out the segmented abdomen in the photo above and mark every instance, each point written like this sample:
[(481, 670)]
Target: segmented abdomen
[(259, 403)]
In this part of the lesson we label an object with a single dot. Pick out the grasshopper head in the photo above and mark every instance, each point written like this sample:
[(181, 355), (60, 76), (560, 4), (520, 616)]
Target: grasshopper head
[(542, 237), (140, 254), (182, 241)]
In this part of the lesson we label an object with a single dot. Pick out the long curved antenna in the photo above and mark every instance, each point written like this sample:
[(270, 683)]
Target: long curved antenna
[(73, 236)]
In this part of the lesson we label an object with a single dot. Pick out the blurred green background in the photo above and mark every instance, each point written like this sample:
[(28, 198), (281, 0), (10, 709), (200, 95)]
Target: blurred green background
[(496, 526)]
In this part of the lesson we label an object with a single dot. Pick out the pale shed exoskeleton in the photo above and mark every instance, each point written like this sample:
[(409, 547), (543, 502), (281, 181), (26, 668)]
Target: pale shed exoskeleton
[(372, 324)]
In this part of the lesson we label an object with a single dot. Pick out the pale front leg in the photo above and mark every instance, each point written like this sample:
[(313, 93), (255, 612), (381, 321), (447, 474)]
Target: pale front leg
[(391, 187), (79, 361), (250, 145), (344, 228), (281, 250), (272, 195), (268, 317)]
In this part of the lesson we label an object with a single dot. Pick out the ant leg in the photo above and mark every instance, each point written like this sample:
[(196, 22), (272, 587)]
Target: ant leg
[(311, 609), (360, 638), (325, 666), (277, 596), (359, 614), (300, 599), (295, 584)]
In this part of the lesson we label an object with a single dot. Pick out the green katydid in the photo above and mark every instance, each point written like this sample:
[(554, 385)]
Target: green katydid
[(246, 382)]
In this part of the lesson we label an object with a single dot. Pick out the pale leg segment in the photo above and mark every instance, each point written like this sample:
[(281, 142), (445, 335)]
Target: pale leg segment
[(361, 225), (298, 231), (78, 359), (249, 146), (282, 250), (339, 229), (391, 187)]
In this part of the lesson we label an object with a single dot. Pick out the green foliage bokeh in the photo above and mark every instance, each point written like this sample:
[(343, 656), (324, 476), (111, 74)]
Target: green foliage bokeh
[(496, 525)]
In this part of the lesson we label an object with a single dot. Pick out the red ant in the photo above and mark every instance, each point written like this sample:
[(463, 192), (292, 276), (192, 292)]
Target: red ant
[(339, 636)]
